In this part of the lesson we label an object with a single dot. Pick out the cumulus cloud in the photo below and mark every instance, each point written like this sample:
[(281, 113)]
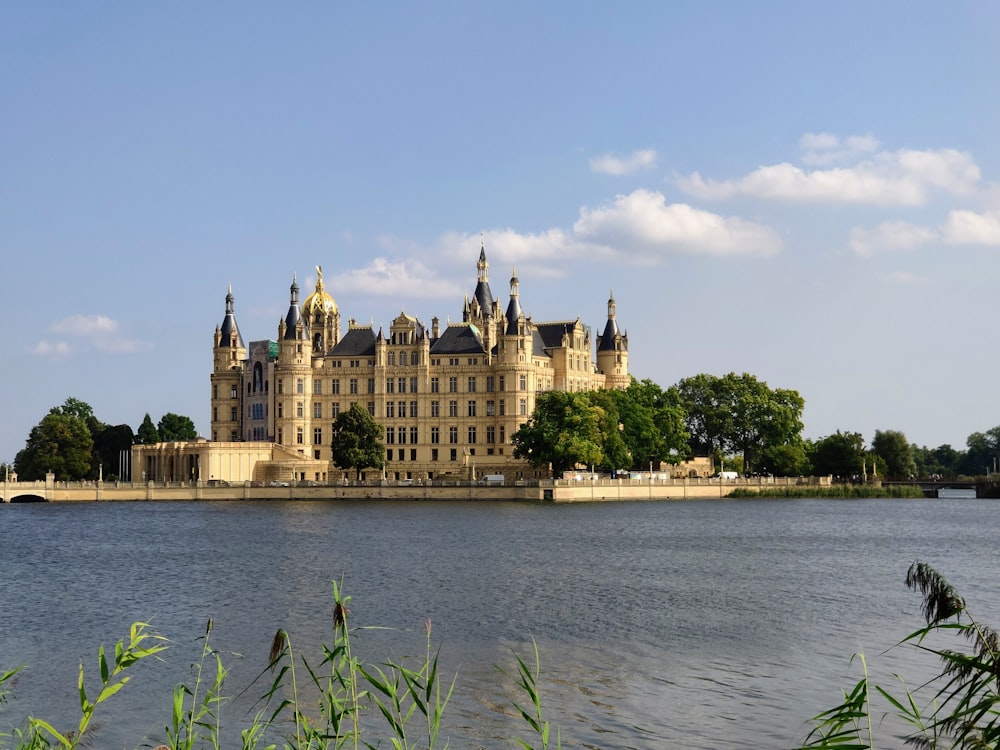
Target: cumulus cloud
[(90, 331), (643, 225), (617, 165), (823, 149), (51, 349), (971, 228), (388, 278), (962, 227), (890, 235), (881, 178)]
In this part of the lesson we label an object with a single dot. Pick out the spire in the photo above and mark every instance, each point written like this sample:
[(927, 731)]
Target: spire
[(514, 306), (230, 332), (483, 266), (611, 338), (483, 296), (295, 326)]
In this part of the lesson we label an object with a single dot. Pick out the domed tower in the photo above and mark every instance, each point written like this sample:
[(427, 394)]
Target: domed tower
[(322, 316), (229, 355), (612, 352), (293, 376)]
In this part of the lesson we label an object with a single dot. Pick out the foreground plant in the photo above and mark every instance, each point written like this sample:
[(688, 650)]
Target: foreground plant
[(958, 709), (527, 681), (141, 644)]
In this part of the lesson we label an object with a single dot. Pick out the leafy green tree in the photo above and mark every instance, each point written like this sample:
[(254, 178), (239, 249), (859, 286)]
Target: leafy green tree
[(983, 453), (841, 455), (893, 448), (357, 440), (652, 424), (565, 430), (787, 460), (740, 414), (147, 433), (60, 443), (74, 407), (109, 444), (176, 427), (615, 454), (946, 460)]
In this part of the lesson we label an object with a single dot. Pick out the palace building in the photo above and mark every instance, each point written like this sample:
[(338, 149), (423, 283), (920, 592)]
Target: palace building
[(448, 398)]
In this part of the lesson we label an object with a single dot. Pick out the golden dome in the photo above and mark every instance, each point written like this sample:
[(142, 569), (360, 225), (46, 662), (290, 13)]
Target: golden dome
[(319, 302)]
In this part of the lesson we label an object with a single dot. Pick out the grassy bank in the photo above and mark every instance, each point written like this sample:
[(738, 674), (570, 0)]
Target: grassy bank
[(855, 491)]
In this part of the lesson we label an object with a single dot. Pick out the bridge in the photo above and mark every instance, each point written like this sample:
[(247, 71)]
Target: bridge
[(983, 486)]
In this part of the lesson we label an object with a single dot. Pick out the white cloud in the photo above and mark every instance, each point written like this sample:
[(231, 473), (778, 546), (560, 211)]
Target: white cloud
[(386, 278), (616, 165), (884, 178), (971, 228), (890, 235), (86, 325), (97, 331), (642, 225), (50, 349), (823, 149)]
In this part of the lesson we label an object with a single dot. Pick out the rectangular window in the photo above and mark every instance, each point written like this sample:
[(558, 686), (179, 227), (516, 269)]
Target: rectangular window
[(299, 409), (401, 409), (435, 408), (390, 409), (523, 405), (401, 432), (318, 436), (281, 409), (317, 410), (503, 407), (453, 408), (452, 385), (413, 454), (413, 408), (490, 383), (472, 384), (435, 435), (390, 385), (434, 454), (234, 392), (317, 387), (215, 391), (414, 434), (298, 435), (233, 415), (472, 434), (413, 383), (434, 385), (371, 385), (336, 387), (402, 385), (453, 435), (334, 410), (299, 386), (353, 385), (215, 413), (281, 386), (453, 454), (388, 455), (502, 388), (371, 408), (472, 408), (491, 434), (522, 382), (503, 434), (390, 436), (490, 408)]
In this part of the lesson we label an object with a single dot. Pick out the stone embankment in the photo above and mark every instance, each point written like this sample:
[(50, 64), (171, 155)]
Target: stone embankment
[(562, 491)]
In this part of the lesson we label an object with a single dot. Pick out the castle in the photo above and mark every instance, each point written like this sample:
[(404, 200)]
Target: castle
[(449, 400)]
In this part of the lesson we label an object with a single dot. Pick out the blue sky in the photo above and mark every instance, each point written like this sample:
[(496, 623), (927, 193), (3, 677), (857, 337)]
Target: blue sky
[(807, 192)]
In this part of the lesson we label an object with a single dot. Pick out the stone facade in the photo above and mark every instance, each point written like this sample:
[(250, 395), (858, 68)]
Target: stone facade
[(449, 399)]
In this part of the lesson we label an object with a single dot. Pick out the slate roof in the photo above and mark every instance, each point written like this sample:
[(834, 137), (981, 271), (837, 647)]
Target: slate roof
[(459, 338), (357, 342)]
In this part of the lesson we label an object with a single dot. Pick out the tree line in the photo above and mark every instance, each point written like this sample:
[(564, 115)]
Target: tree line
[(737, 419), (74, 444)]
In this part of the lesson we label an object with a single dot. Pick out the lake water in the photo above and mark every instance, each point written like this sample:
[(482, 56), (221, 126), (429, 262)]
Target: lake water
[(705, 624)]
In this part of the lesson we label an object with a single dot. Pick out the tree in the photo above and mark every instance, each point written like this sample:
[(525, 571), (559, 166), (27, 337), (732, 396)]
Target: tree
[(893, 448), (841, 455), (109, 445), (565, 430), (652, 424), (60, 443), (357, 440), (176, 427), (147, 433), (983, 454), (740, 414)]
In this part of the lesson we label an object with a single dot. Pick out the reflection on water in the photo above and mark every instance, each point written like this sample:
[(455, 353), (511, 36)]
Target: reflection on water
[(720, 624)]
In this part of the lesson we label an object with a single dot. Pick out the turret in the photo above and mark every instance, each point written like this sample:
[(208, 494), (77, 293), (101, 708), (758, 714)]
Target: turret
[(612, 351)]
